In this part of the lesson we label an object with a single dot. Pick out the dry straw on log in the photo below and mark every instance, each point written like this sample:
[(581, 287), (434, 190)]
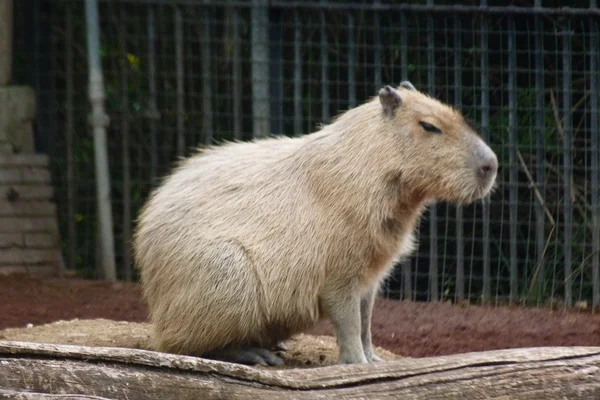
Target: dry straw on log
[(47, 371)]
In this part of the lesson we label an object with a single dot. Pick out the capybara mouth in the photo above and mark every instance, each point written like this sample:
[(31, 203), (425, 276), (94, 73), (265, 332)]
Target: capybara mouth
[(485, 189), (471, 186), (477, 191)]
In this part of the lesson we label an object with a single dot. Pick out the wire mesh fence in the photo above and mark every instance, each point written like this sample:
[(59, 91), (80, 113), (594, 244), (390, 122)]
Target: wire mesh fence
[(184, 73)]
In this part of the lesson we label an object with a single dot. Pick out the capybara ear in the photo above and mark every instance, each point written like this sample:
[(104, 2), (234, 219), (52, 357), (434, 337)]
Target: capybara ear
[(407, 85), (390, 99)]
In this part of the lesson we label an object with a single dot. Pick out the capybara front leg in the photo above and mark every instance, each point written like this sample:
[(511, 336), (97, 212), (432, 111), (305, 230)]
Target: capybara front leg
[(343, 308), (366, 308)]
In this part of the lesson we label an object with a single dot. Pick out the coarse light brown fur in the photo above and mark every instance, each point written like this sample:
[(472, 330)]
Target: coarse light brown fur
[(249, 243)]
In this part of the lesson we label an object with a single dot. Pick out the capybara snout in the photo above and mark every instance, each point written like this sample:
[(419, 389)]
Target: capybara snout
[(486, 165)]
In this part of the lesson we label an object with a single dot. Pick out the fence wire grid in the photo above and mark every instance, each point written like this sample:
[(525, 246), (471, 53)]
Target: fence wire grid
[(182, 73)]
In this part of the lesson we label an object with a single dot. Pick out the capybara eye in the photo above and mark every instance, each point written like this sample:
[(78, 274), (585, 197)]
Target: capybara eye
[(429, 127)]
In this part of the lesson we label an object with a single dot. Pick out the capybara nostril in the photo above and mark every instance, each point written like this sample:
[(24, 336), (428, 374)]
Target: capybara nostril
[(486, 169), (487, 163), (489, 166)]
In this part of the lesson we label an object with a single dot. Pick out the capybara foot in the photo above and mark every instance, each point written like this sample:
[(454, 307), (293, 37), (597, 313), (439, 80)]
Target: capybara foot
[(371, 356), (249, 356), (347, 356), (374, 358), (267, 356)]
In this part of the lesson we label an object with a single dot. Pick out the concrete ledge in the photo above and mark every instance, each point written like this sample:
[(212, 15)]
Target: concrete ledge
[(10, 175), (29, 235), (28, 224), (11, 240), (27, 208), (31, 256), (43, 270), (17, 111), (40, 240), (35, 175), (26, 192), (23, 160)]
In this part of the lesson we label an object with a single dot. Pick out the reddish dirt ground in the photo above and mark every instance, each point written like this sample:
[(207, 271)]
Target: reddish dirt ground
[(405, 328)]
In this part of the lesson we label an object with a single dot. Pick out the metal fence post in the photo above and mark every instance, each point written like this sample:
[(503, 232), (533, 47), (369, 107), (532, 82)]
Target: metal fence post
[(324, 68), (512, 155), (69, 136), (260, 69), (594, 88), (433, 221), (485, 117), (460, 259), (99, 121), (567, 163), (237, 76), (351, 61), (126, 218), (403, 47), (406, 264), (540, 216), (276, 73), (377, 46), (297, 74), (180, 82), (152, 93), (207, 78)]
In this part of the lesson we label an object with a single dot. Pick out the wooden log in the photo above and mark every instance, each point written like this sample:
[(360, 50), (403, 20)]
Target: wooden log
[(52, 371)]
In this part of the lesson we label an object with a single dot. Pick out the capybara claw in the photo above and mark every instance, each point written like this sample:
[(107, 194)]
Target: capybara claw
[(281, 346), (375, 358)]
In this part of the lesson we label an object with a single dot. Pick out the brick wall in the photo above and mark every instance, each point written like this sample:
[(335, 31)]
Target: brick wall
[(29, 237)]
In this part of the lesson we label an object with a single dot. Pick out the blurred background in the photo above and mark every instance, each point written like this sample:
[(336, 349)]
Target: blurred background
[(183, 73)]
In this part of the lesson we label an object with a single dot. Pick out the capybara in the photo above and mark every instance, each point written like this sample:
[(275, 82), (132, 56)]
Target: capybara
[(248, 243)]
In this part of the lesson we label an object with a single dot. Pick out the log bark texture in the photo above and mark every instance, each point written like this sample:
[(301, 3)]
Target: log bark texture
[(47, 371)]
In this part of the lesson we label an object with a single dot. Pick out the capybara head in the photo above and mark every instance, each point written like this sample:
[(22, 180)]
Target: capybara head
[(434, 151)]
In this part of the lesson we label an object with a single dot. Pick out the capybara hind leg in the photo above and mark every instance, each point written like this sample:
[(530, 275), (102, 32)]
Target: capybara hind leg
[(214, 305), (343, 308), (248, 355), (366, 308)]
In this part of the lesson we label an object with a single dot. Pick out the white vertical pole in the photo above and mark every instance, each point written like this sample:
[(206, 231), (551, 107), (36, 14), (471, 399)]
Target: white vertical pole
[(99, 121)]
